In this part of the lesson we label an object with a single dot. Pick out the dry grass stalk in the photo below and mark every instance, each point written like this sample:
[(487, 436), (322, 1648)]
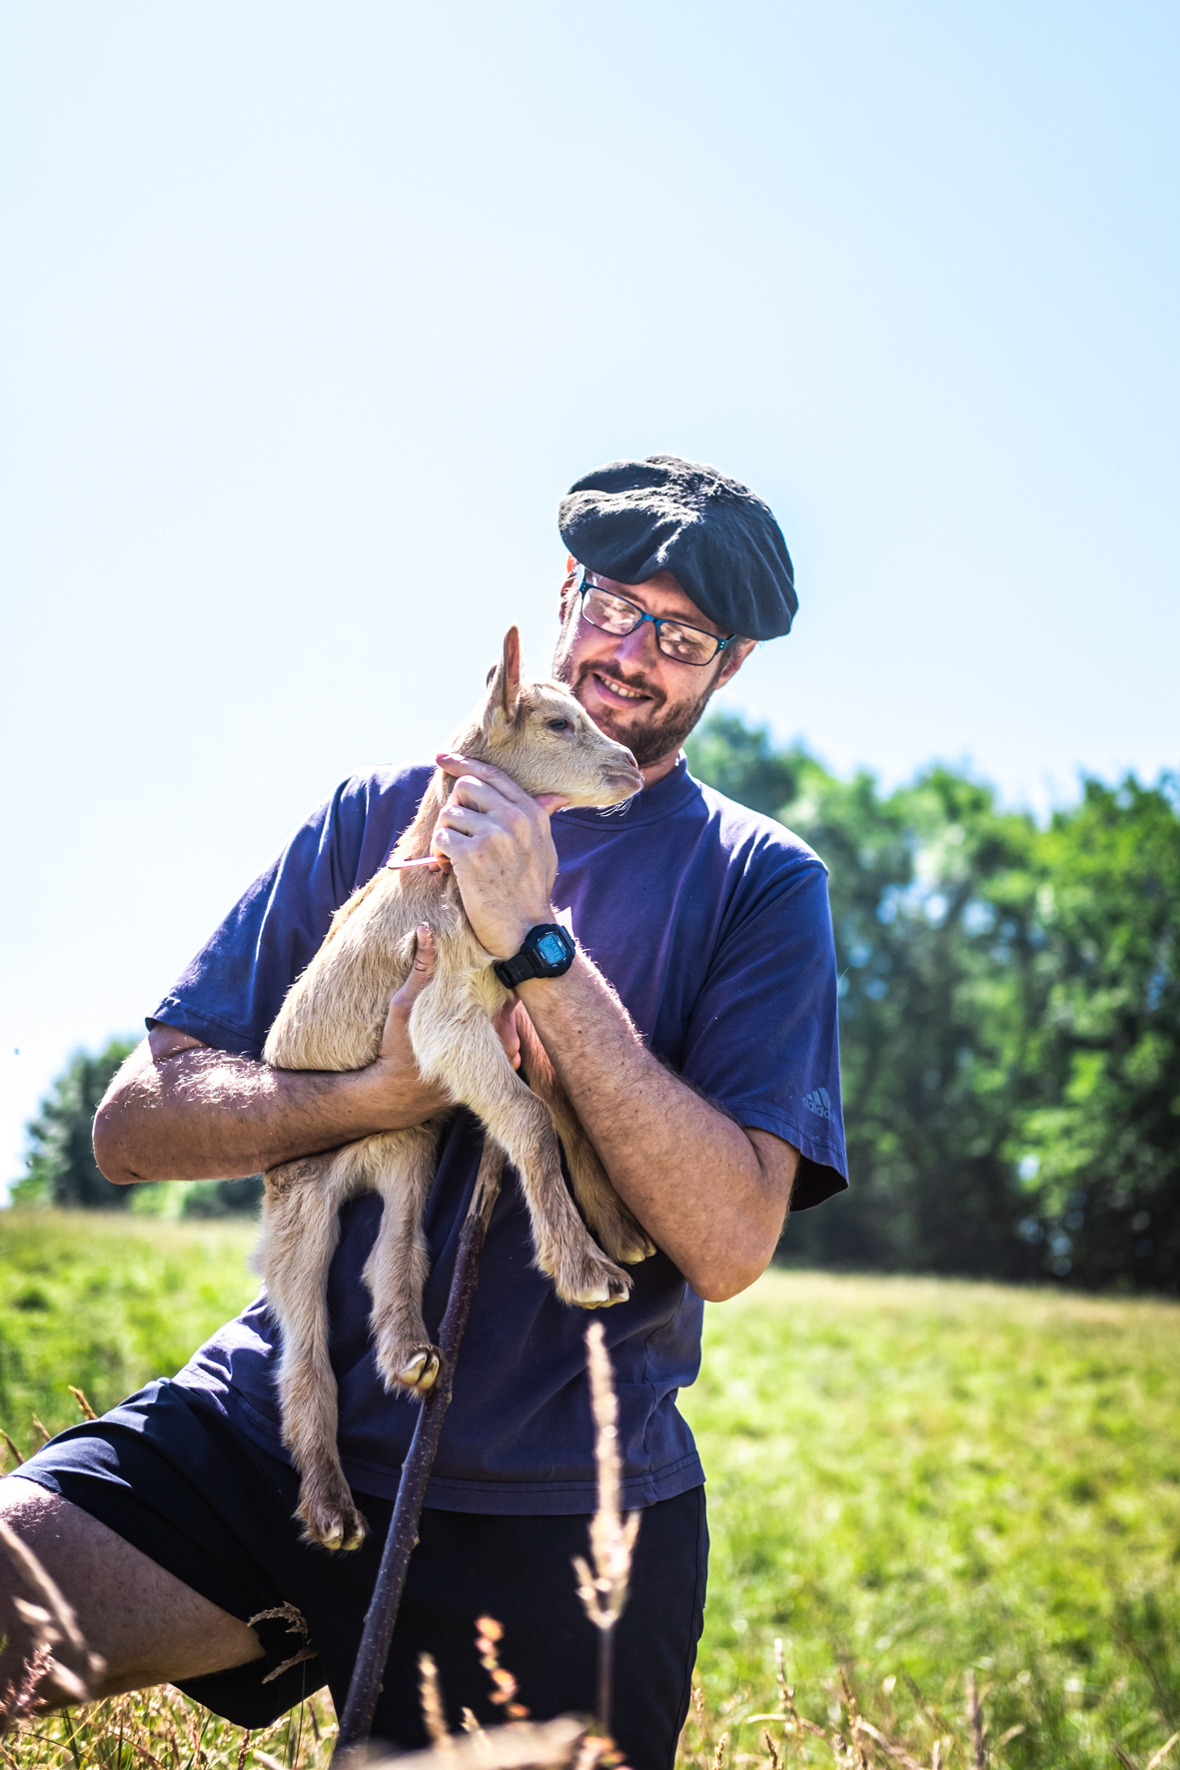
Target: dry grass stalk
[(975, 1717), (434, 1715), (794, 1723), (595, 1749), (12, 1450), (603, 1587), (780, 1673), (79, 1396), (296, 1625), (1124, 1757), (856, 1748), (894, 1751), (488, 1635), (1155, 1762), (46, 1434), (853, 1752), (548, 1745), (59, 1666)]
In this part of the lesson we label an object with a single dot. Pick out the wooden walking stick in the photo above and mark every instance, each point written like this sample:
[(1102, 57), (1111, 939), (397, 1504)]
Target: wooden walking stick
[(357, 1721)]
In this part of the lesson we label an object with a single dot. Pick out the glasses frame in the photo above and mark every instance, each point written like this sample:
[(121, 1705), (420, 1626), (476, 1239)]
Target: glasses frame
[(583, 589)]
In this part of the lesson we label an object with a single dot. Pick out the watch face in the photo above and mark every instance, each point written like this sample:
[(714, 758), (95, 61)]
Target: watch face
[(552, 948)]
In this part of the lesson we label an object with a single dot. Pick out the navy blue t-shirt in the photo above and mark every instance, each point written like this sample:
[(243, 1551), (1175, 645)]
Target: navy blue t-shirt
[(712, 923)]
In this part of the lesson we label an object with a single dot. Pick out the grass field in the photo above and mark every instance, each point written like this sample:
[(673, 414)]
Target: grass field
[(106, 1301), (909, 1480)]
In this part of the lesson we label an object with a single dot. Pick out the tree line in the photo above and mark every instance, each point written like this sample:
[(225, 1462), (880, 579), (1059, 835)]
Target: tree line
[(1010, 1026), (1009, 1013), (60, 1168)]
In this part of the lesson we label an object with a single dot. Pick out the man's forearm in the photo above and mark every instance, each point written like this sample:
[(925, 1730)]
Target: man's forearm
[(711, 1195), (178, 1110), (200, 1114)]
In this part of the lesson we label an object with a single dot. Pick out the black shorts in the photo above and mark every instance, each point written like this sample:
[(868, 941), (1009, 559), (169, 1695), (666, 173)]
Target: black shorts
[(172, 1476)]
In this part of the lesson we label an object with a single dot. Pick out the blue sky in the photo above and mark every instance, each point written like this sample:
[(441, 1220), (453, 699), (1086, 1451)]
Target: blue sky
[(313, 312)]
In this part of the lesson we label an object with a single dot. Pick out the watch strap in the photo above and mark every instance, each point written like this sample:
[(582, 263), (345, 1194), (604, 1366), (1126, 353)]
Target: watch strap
[(516, 970)]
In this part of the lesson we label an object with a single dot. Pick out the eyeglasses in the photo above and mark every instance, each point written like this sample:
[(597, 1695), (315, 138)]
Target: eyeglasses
[(615, 615)]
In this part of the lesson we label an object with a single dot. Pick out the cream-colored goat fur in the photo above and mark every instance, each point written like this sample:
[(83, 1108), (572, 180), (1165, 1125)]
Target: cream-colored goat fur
[(332, 1019)]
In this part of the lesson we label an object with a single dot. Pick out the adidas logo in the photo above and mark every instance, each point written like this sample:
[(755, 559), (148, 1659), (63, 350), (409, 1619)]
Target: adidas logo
[(819, 1101)]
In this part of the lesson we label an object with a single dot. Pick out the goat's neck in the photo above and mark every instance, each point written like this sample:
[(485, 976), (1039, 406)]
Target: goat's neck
[(414, 842)]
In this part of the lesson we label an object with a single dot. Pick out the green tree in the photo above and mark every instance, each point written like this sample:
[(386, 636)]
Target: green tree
[(61, 1169), (741, 761), (931, 899), (60, 1161), (1100, 1143), (1010, 1027)]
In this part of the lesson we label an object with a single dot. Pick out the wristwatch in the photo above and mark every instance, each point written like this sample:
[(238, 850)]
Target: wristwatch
[(548, 951)]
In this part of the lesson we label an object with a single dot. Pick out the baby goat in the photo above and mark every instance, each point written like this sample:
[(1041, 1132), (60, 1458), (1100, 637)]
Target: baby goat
[(332, 1019)]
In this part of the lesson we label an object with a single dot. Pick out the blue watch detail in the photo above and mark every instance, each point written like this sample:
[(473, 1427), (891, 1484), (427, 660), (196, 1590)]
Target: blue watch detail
[(548, 951)]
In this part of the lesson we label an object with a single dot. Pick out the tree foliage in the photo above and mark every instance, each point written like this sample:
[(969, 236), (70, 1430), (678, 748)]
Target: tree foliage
[(60, 1165), (60, 1161), (1010, 1018)]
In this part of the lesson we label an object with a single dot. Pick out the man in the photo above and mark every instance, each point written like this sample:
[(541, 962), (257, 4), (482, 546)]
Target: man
[(694, 1027)]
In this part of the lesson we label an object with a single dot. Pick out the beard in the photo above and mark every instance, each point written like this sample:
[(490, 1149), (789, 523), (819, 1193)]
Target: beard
[(658, 730)]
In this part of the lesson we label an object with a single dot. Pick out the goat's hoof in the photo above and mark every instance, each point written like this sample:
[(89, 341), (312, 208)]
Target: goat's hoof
[(333, 1526), (599, 1286), (641, 1250), (616, 1231), (629, 1244), (421, 1371), (414, 1368)]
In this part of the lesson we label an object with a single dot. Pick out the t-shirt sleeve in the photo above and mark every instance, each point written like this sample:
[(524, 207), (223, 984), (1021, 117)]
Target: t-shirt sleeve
[(231, 992), (763, 1038)]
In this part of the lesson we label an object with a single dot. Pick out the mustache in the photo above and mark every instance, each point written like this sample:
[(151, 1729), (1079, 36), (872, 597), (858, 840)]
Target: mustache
[(639, 685)]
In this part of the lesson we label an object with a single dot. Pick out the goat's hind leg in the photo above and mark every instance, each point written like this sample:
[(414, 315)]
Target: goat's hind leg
[(613, 1226), (403, 1165), (301, 1230)]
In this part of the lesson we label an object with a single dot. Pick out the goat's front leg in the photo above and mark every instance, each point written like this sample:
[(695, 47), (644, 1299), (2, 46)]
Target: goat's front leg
[(464, 1052), (403, 1165), (301, 1230)]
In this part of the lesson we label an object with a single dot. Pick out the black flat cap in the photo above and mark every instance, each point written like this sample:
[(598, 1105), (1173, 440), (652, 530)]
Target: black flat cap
[(632, 519)]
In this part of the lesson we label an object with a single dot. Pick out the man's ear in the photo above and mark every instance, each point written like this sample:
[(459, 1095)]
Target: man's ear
[(504, 680), (735, 656)]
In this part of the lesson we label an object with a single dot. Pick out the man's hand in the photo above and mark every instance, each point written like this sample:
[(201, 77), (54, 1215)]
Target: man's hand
[(394, 1073), (393, 1076), (498, 840)]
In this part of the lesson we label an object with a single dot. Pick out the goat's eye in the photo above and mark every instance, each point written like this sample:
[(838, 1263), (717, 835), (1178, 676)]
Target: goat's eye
[(559, 725)]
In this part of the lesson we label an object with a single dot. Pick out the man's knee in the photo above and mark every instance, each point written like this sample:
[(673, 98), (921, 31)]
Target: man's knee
[(45, 1660), (143, 1623)]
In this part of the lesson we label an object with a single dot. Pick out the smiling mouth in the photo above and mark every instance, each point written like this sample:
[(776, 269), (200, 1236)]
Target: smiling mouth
[(617, 691)]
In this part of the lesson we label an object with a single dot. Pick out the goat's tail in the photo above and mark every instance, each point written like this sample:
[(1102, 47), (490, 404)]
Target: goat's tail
[(607, 1217)]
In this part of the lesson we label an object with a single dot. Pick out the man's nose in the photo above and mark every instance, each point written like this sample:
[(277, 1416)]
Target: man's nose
[(638, 646)]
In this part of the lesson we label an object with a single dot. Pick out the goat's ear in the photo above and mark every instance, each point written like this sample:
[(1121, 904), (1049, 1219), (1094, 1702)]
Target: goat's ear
[(504, 680)]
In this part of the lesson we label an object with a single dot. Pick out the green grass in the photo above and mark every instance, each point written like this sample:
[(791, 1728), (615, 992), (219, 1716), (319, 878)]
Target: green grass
[(915, 1477), (908, 1479), (106, 1301)]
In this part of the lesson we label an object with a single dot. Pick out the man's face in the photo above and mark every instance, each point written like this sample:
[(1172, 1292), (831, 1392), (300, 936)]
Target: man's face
[(630, 689)]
